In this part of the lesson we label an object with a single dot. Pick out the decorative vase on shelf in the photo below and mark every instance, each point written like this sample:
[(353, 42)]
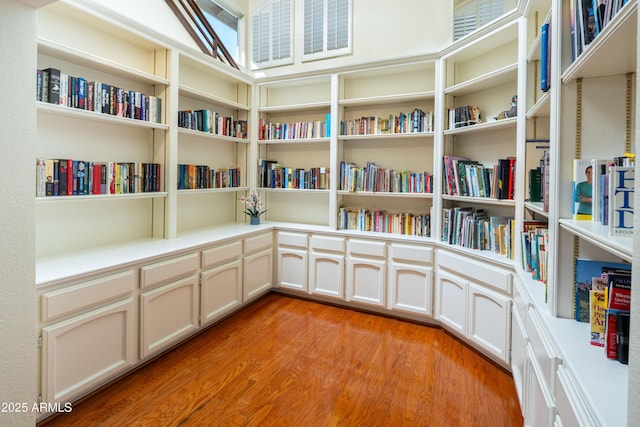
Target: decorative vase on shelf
[(255, 220)]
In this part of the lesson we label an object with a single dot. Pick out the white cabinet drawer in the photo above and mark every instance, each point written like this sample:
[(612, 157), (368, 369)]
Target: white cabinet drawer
[(287, 238), (488, 275), (221, 254), (166, 271), (326, 243), (78, 298), (256, 243), (411, 253), (367, 248)]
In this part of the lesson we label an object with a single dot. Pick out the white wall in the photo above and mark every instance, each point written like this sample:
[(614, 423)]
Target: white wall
[(380, 31), (17, 210), (154, 14)]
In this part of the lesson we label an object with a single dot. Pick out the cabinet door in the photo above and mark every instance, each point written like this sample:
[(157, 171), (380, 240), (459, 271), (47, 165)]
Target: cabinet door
[(292, 269), (519, 342), (410, 288), (539, 409), (257, 274), (451, 301), (570, 405), (221, 290), (86, 351), (168, 314), (326, 274), (490, 320), (366, 280)]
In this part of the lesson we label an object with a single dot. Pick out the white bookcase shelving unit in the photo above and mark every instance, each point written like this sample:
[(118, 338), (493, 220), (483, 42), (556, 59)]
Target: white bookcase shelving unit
[(113, 265)]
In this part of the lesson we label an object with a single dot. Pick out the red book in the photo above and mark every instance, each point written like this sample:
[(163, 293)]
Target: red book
[(96, 179)]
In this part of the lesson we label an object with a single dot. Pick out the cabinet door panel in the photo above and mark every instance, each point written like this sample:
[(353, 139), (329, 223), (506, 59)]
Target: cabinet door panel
[(410, 288), (539, 410), (519, 342), (257, 274), (326, 275), (490, 320), (570, 405), (168, 314), (366, 281), (221, 290), (451, 301), (292, 269), (85, 352)]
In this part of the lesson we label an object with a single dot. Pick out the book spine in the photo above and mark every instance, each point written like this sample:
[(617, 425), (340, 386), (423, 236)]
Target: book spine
[(544, 57)]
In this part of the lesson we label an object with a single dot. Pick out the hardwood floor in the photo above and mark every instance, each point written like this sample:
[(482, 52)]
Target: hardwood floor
[(284, 361)]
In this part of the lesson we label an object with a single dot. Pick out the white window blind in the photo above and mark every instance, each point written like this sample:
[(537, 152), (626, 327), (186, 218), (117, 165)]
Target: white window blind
[(327, 28), (271, 34), (474, 15)]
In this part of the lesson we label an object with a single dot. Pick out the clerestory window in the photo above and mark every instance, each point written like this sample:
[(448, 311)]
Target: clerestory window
[(272, 34), (327, 28)]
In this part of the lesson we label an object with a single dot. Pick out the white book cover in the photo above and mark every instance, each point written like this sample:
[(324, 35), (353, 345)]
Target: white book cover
[(621, 185)]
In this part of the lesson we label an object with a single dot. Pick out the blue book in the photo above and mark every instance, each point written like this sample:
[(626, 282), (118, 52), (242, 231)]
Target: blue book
[(545, 60)]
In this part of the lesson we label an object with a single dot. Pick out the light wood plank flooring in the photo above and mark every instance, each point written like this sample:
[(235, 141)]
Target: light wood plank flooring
[(285, 361)]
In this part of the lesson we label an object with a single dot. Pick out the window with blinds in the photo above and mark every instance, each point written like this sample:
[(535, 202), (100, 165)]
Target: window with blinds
[(272, 34), (327, 28), (471, 15)]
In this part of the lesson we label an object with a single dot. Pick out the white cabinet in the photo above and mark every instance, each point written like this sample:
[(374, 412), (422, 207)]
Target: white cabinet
[(519, 342), (410, 285), (451, 301), (221, 281), (85, 351), (292, 261), (540, 409), (258, 265), (93, 337), (490, 320), (475, 302), (326, 266), (169, 302), (366, 272), (168, 314), (571, 407)]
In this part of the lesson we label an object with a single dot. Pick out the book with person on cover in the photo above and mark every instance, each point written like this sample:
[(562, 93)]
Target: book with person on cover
[(582, 189), (586, 270)]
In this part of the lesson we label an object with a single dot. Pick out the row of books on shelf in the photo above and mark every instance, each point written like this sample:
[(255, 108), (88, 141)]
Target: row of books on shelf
[(588, 19), (464, 115), (603, 299), (271, 174), (534, 244), (603, 192), (212, 122), (539, 182), (374, 178), (466, 177), (381, 221), (296, 130), (195, 177), (415, 121), (58, 88), (69, 177), (473, 228)]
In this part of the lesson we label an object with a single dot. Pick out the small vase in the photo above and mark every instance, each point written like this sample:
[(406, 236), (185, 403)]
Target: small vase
[(255, 220)]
